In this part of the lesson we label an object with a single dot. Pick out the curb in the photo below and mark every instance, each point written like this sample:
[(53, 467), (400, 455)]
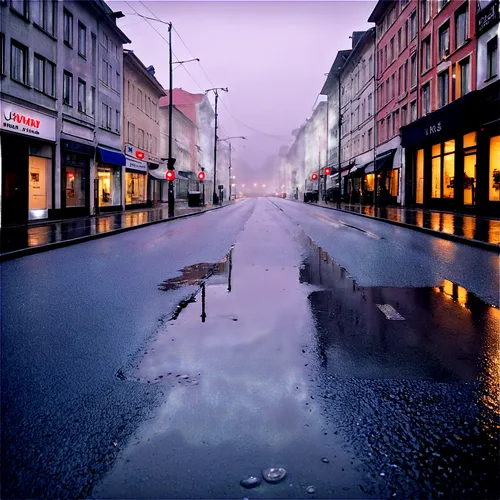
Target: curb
[(452, 237), (82, 239)]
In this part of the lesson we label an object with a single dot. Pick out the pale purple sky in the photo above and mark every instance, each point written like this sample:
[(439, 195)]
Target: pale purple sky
[(272, 55)]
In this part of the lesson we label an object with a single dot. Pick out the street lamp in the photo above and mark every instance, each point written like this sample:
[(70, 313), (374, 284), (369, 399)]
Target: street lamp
[(215, 90), (228, 139), (171, 161)]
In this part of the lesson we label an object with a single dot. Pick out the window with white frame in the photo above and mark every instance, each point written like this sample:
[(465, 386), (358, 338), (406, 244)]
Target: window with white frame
[(68, 28), (461, 26), (426, 98), (18, 62), (426, 11), (444, 41), (426, 54), (67, 88), (413, 25), (82, 39), (492, 58), (106, 116), (443, 88)]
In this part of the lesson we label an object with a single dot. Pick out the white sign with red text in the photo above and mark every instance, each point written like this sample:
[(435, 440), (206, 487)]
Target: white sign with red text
[(20, 120)]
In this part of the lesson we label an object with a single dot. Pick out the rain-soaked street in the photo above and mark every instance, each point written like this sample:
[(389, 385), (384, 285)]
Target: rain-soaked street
[(177, 360)]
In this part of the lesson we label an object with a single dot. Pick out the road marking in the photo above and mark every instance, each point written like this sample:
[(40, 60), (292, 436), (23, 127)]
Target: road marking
[(390, 312), (338, 223)]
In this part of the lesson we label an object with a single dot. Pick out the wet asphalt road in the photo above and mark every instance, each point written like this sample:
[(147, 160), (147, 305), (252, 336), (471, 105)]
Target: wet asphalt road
[(282, 358)]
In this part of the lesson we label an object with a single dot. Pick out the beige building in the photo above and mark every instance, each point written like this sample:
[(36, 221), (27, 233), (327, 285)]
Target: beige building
[(141, 133)]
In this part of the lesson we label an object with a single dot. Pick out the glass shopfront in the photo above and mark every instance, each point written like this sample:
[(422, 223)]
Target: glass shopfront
[(136, 184), (75, 177), (470, 154), (420, 176), (39, 187), (75, 186), (494, 173), (105, 176), (443, 170)]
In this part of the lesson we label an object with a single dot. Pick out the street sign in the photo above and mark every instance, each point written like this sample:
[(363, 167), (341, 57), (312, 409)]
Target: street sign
[(170, 175), (201, 176), (328, 171), (314, 177)]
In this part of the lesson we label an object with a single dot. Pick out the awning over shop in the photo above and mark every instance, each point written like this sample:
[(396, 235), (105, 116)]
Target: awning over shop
[(159, 173), (357, 170), (111, 157), (384, 161), (369, 167), (152, 165)]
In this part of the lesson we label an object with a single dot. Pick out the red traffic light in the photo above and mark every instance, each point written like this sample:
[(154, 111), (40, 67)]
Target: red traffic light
[(314, 177), (328, 171), (170, 175), (201, 176)]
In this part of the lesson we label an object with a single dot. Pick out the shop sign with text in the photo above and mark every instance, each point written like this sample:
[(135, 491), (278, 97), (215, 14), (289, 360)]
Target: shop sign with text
[(25, 121), (136, 165)]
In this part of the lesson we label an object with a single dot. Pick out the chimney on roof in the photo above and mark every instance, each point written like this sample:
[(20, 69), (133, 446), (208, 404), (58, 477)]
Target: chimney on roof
[(356, 37), (151, 70)]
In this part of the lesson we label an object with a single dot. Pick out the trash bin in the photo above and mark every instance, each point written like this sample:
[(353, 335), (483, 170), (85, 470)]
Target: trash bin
[(194, 199)]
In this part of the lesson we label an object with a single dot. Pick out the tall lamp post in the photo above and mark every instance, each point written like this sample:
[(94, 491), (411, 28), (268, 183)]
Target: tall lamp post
[(215, 91), (228, 139), (171, 161)]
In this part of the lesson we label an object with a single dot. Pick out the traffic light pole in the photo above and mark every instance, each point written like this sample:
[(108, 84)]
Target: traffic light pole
[(171, 199), (215, 196)]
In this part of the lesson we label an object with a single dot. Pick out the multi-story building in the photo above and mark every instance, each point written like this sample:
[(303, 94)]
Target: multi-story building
[(109, 171), (488, 64), (193, 139), (331, 89), (29, 109), (357, 112), (316, 147), (141, 132), (183, 146), (450, 148), (78, 120), (57, 108), (396, 99), (300, 179), (291, 162)]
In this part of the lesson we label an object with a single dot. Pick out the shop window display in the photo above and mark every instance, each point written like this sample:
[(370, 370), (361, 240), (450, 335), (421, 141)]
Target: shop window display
[(494, 191), (75, 187), (136, 188), (443, 170), (40, 180), (105, 187), (470, 168), (420, 176)]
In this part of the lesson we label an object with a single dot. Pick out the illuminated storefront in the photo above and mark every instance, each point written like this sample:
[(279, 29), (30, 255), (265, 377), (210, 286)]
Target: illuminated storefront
[(135, 183), (27, 156), (454, 164), (108, 181)]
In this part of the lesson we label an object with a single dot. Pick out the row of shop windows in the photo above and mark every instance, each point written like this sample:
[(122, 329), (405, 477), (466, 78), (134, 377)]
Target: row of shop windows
[(443, 170), (40, 182)]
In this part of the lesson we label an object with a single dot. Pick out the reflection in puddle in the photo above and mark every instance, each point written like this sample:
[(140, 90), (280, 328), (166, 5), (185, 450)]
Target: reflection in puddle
[(443, 337), (197, 274), (481, 229), (15, 238)]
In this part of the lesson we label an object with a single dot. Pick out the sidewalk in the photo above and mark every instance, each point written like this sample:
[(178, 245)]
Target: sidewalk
[(16, 241), (480, 231)]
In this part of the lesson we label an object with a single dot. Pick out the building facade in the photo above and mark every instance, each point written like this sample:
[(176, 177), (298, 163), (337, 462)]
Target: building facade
[(29, 110), (396, 99), (331, 89), (451, 162), (193, 139), (141, 133), (316, 147), (358, 119), (110, 161), (183, 148), (61, 109)]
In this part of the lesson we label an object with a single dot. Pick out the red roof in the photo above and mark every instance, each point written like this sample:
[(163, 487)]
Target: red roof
[(181, 96)]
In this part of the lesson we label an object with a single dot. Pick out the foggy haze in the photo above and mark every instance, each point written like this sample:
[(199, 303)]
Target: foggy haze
[(272, 56)]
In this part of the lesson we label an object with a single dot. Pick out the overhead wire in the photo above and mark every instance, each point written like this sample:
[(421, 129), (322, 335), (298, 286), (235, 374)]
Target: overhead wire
[(239, 122)]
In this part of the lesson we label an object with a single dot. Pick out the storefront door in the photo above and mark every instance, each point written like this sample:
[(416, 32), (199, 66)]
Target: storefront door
[(14, 180)]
